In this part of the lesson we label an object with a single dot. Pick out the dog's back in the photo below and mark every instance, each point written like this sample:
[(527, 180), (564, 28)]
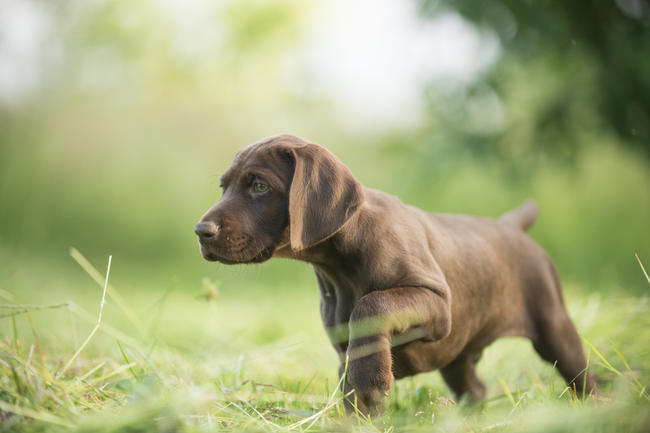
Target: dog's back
[(402, 290)]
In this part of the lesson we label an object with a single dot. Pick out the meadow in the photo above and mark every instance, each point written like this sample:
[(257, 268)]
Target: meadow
[(117, 119), (252, 360)]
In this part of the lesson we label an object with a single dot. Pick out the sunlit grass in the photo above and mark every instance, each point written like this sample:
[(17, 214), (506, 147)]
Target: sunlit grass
[(259, 361)]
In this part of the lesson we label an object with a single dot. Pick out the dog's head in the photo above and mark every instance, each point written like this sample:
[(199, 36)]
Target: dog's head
[(281, 190)]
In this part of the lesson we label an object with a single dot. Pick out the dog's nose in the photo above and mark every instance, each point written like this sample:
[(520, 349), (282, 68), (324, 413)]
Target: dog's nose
[(206, 230)]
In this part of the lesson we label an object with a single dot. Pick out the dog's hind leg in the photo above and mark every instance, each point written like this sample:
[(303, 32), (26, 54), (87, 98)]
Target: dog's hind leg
[(554, 335), (557, 341), (461, 377)]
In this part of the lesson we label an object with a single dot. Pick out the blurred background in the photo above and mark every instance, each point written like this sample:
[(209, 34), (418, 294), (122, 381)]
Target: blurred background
[(117, 119)]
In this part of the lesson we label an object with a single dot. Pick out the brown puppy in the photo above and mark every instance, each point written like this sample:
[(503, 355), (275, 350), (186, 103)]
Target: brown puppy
[(403, 291)]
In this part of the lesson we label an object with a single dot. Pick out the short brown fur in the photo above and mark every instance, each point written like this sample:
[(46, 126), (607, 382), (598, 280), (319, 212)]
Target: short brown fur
[(403, 291)]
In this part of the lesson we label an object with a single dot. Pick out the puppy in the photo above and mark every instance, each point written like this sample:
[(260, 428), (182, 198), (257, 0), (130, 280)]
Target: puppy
[(403, 291)]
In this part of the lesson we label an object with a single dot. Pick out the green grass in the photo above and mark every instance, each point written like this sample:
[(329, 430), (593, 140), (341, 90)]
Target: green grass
[(251, 359)]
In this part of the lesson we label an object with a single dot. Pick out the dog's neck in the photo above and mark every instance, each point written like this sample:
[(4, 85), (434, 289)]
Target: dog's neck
[(324, 253), (320, 253)]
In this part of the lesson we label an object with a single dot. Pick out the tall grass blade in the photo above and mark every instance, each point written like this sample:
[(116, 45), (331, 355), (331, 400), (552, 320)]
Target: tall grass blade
[(642, 268), (602, 358), (506, 390), (16, 309), (118, 370), (31, 413), (92, 370), (641, 387), (99, 321), (126, 359), (36, 339), (15, 330), (112, 292)]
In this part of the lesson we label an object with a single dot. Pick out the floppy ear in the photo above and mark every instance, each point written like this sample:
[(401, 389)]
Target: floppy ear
[(323, 196)]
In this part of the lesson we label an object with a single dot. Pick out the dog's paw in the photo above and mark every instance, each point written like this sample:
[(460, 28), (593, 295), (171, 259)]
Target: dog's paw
[(369, 402), (367, 383)]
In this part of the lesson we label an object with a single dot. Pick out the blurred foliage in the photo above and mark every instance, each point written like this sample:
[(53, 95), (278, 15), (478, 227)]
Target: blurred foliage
[(120, 149), (566, 67)]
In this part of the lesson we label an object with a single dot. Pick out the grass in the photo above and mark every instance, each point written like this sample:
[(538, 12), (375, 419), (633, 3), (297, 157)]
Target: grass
[(230, 360)]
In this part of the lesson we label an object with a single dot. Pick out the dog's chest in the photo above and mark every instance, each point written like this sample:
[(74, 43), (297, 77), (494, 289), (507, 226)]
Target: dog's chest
[(337, 301)]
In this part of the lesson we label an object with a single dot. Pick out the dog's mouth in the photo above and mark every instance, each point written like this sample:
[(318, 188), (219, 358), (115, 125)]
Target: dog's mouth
[(231, 258)]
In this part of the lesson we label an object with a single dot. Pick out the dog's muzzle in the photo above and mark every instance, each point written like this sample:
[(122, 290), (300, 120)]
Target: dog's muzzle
[(206, 231)]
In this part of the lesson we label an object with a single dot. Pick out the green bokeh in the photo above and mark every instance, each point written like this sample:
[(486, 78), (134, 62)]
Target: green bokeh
[(127, 165)]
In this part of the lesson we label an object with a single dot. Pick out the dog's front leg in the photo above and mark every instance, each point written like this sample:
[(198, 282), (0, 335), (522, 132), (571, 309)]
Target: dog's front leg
[(380, 320)]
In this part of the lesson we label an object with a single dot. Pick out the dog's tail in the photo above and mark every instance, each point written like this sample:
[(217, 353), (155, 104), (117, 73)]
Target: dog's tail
[(524, 216)]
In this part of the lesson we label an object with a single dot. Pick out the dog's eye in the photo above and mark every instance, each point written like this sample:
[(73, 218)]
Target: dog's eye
[(260, 187)]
